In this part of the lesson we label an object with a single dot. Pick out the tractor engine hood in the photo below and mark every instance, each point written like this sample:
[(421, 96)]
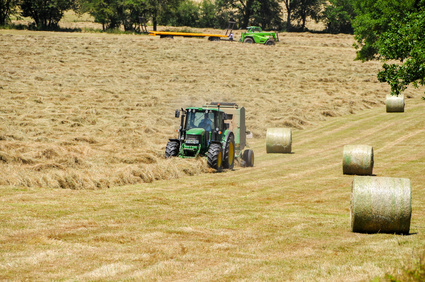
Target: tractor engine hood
[(195, 131)]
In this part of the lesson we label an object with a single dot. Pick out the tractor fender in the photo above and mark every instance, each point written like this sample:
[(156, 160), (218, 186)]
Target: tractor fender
[(177, 140), (216, 142), (228, 134)]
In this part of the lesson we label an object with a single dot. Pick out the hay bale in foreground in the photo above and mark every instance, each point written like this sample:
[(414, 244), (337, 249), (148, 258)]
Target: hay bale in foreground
[(279, 140), (394, 103), (357, 159), (380, 204)]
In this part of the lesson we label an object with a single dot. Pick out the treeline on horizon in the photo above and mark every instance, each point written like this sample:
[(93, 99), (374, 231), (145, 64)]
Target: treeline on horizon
[(280, 15)]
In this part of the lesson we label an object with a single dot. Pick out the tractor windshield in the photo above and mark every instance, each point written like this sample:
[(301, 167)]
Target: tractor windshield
[(200, 119), (255, 29)]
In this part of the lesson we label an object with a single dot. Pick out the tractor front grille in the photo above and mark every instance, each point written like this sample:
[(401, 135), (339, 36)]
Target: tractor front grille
[(192, 140)]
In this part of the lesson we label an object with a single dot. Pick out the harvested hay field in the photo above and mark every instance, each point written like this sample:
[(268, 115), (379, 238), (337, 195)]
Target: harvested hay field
[(286, 218), (90, 111), (87, 111)]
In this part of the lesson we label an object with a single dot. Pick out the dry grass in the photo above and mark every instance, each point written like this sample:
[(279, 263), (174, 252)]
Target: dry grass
[(95, 110), (88, 111), (287, 218)]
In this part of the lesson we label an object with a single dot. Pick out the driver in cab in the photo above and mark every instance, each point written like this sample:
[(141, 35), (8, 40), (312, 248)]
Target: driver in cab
[(206, 123)]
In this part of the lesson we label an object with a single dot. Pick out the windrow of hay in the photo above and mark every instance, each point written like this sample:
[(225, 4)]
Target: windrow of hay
[(380, 204), (357, 159), (99, 176), (87, 106)]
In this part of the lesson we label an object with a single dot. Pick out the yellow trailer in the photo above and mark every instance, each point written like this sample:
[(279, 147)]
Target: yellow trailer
[(170, 34), (211, 37)]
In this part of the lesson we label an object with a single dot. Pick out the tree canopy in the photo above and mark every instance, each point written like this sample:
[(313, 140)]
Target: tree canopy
[(302, 9), (338, 16), (46, 13), (7, 7), (265, 13), (114, 14), (393, 30)]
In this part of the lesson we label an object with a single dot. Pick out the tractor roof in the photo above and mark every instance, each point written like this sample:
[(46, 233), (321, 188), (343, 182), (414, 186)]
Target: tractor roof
[(201, 109), (214, 106)]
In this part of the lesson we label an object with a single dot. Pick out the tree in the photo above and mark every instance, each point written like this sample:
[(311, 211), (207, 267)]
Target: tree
[(7, 8), (303, 9), (186, 14), (208, 14), (404, 41), (393, 32), (243, 9), (114, 13), (161, 10), (373, 18), (129, 13), (265, 13), (103, 11), (46, 13), (338, 16)]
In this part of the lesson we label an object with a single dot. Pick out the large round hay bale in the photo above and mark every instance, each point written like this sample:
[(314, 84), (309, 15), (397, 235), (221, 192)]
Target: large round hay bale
[(357, 159), (279, 140), (380, 205), (395, 103)]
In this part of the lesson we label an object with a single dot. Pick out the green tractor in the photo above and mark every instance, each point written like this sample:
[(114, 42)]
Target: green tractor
[(254, 34), (215, 131)]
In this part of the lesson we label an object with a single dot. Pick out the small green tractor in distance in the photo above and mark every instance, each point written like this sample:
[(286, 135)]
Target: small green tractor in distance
[(215, 131), (254, 34)]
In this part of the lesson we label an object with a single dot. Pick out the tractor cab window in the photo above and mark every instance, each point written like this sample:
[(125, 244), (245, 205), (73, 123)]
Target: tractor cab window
[(256, 29), (200, 119)]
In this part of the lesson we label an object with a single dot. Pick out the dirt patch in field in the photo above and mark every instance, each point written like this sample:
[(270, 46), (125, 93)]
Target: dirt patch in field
[(95, 110)]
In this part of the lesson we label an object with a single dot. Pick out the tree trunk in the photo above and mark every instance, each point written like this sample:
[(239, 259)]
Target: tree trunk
[(288, 18), (247, 14), (154, 19)]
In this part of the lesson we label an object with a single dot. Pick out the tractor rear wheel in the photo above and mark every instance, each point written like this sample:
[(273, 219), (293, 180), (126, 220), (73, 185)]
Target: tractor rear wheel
[(229, 152), (248, 157), (248, 40), (215, 156), (172, 149)]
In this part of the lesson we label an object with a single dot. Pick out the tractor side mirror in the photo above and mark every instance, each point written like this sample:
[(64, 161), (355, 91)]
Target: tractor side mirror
[(177, 114)]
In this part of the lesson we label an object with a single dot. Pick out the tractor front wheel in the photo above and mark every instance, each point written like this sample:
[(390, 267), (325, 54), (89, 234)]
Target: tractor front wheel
[(172, 149), (248, 40), (215, 156)]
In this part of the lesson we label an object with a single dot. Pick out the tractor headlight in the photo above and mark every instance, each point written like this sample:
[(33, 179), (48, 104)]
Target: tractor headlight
[(192, 140)]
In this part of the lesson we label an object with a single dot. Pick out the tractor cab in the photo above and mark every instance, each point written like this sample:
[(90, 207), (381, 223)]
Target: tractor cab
[(250, 29), (199, 128)]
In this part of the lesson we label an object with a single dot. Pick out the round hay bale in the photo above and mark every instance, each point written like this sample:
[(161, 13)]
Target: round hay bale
[(279, 140), (357, 159), (395, 103), (380, 204)]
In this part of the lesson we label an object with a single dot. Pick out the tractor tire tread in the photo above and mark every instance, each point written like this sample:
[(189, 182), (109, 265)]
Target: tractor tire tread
[(214, 155), (172, 149)]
